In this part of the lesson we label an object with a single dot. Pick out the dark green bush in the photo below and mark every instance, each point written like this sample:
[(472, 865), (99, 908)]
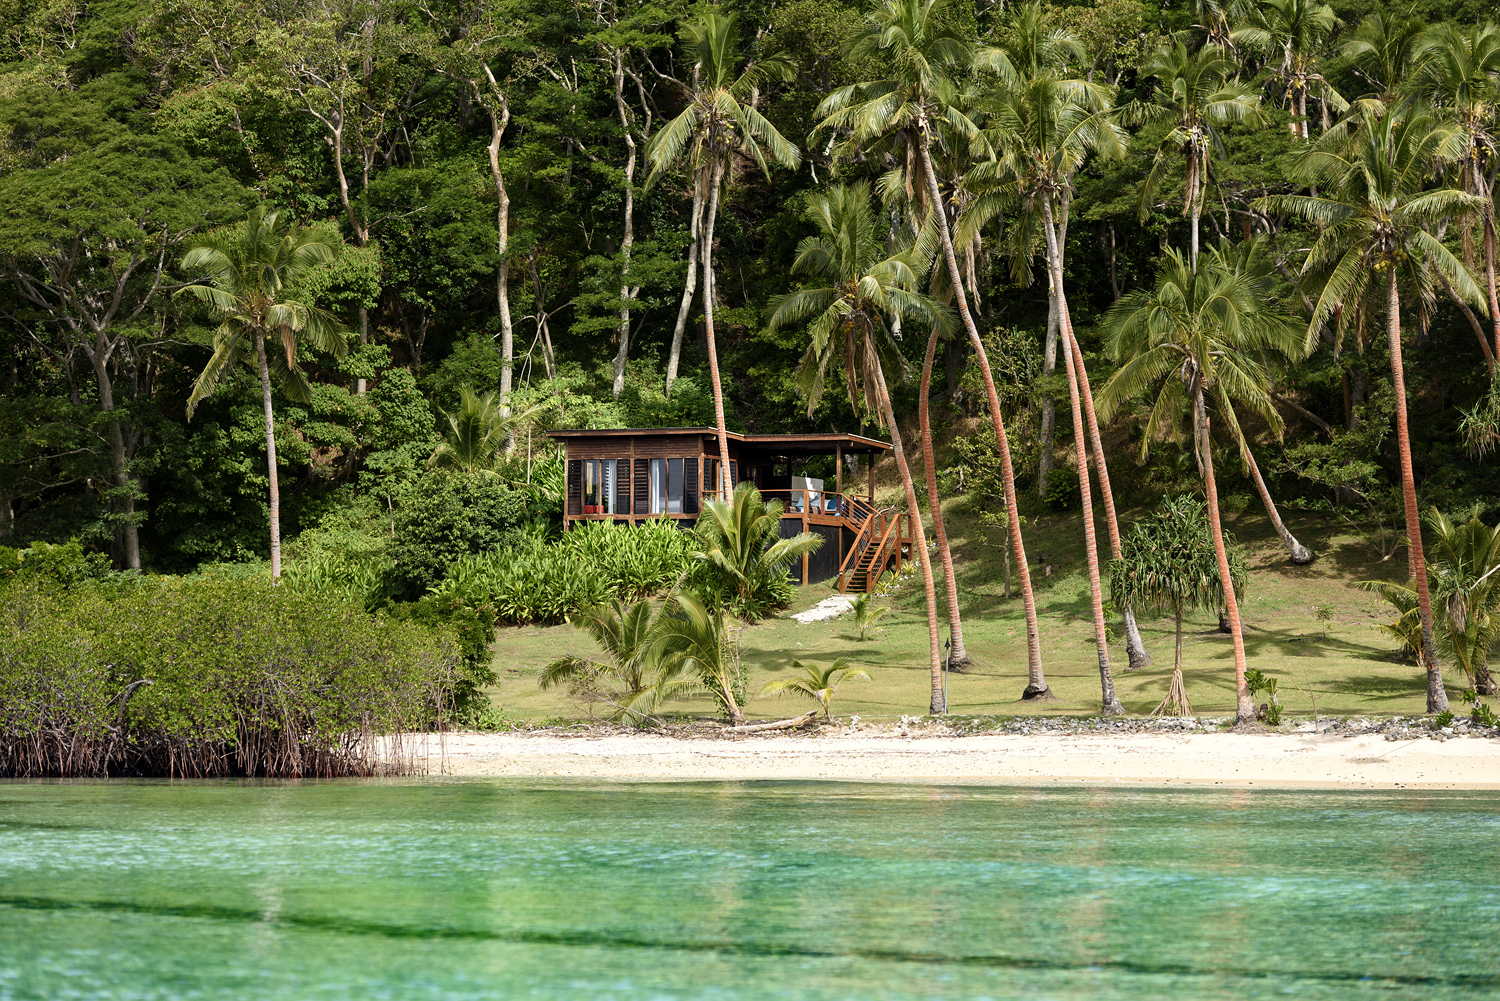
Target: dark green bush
[(539, 583), (209, 676), (44, 563), (447, 515)]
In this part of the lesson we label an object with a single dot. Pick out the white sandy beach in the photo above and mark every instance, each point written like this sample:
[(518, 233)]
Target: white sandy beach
[(1211, 759)]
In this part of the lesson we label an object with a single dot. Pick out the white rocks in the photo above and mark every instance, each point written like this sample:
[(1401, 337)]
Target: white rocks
[(830, 607)]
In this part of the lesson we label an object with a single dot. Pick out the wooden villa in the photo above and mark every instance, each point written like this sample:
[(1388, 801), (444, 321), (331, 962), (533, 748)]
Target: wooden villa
[(629, 475)]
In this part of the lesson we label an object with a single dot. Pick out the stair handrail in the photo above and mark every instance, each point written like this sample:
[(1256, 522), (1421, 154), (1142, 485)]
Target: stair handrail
[(880, 557), (856, 547)]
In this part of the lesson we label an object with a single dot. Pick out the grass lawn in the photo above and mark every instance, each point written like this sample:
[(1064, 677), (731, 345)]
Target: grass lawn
[(1350, 670)]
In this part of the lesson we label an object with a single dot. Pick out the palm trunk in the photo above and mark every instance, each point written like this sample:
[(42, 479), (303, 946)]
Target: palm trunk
[(1046, 459), (1195, 209), (1300, 554), (1244, 712), (1488, 216), (937, 704), (627, 240), (958, 655), (689, 287), (265, 396), (726, 487), (1437, 696), (1110, 701), (1036, 684), (1135, 650)]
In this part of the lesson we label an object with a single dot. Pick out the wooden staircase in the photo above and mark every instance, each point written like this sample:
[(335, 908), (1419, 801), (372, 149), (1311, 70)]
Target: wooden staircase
[(878, 540)]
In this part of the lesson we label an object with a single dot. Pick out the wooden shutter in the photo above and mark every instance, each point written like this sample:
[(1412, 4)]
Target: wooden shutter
[(641, 486), (575, 486), (622, 486), (734, 473), (690, 486)]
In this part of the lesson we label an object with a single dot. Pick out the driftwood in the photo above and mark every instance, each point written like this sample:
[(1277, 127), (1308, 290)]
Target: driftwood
[(784, 724)]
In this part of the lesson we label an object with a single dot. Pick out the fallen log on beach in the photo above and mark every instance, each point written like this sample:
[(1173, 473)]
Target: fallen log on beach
[(782, 724)]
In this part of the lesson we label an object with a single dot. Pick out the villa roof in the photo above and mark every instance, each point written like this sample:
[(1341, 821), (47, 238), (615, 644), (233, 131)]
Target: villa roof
[(780, 444)]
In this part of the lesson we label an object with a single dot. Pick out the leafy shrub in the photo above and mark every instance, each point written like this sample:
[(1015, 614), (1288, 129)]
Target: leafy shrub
[(209, 676), (45, 563), (1062, 492), (445, 516), (546, 583)]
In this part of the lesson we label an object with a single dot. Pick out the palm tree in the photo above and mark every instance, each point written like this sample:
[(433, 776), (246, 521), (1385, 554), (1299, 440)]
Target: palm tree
[(1042, 128), (1198, 98), (1464, 577), (246, 271), (958, 653), (1294, 32), (1168, 563), (719, 119), (1384, 49), (922, 47), (738, 540), (817, 683), (694, 648), (477, 433), (1460, 73), (847, 328), (1196, 337), (1371, 224), (623, 632)]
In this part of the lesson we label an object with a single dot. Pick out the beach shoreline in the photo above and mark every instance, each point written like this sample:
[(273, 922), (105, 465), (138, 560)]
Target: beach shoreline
[(1222, 760)]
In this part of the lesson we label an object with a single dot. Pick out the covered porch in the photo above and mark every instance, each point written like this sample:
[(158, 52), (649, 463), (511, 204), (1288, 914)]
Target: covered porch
[(629, 475)]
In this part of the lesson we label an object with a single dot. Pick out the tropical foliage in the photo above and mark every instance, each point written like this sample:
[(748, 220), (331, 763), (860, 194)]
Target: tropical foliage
[(309, 287)]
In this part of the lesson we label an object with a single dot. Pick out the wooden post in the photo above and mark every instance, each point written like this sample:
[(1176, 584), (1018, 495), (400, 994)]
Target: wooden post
[(838, 471), (805, 505), (870, 462)]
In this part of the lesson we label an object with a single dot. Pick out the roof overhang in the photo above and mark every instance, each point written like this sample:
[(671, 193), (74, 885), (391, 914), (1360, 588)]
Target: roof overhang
[(775, 444)]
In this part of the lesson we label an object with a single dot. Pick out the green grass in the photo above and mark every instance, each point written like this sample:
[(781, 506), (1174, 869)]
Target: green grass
[(1353, 670)]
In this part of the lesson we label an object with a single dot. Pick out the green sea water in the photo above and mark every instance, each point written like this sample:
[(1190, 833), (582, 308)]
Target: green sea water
[(515, 889)]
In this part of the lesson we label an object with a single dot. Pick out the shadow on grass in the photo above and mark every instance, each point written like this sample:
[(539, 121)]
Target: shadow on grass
[(1377, 687)]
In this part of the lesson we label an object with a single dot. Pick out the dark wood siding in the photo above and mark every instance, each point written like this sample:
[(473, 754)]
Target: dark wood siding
[(622, 486), (642, 491), (575, 486), (690, 486)]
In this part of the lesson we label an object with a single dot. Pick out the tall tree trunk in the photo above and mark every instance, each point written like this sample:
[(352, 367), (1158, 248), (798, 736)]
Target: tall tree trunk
[(937, 704), (1110, 701), (726, 485), (1047, 458), (1196, 210), (1135, 650), (1488, 216), (265, 396), (119, 459), (1244, 711), (627, 240), (1036, 684), (360, 385), (958, 655), (1299, 554), (1437, 696), (689, 287), (499, 111)]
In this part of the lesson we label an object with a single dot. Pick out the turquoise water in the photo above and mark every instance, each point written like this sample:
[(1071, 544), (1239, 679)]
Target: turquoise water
[(510, 889)]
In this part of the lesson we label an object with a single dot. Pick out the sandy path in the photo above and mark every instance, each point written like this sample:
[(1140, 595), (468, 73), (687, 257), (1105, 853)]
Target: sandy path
[(1279, 761)]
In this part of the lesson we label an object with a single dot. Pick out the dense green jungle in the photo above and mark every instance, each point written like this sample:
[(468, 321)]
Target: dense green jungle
[(296, 291)]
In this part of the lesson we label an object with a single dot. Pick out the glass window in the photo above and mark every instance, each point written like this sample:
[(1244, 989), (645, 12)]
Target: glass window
[(674, 486), (599, 486), (666, 486)]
